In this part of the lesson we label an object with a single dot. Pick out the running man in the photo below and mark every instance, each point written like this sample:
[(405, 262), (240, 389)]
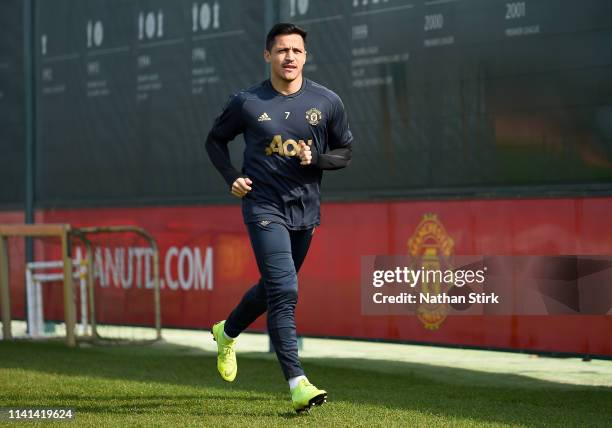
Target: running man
[(294, 129)]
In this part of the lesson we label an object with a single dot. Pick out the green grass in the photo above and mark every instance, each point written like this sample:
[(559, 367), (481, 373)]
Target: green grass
[(178, 386)]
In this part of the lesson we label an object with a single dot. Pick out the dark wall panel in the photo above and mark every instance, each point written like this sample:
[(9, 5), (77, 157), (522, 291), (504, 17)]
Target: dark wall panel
[(12, 146), (463, 96), (128, 90), (443, 96)]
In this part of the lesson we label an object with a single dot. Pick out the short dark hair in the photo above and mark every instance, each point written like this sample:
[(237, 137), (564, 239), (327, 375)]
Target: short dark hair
[(283, 28)]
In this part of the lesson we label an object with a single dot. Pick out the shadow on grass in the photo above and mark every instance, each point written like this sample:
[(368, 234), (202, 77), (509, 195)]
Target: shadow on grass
[(441, 391)]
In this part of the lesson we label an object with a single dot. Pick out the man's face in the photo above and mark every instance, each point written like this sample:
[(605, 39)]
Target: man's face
[(287, 57)]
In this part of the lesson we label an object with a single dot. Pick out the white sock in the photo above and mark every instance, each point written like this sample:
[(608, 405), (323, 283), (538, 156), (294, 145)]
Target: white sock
[(228, 337), (293, 382)]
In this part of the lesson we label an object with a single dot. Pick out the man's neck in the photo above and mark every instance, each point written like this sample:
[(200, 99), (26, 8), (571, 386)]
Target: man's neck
[(286, 88)]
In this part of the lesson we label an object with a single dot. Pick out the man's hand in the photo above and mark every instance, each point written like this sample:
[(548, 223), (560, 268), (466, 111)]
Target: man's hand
[(305, 154), (241, 187)]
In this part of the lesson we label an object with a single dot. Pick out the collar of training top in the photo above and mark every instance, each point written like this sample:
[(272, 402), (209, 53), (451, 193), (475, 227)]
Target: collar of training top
[(268, 84)]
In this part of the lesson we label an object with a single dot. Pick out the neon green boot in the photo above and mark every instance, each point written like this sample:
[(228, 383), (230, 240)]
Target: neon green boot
[(305, 395), (226, 356)]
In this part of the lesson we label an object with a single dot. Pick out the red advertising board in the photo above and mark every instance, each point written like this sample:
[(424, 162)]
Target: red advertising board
[(207, 264)]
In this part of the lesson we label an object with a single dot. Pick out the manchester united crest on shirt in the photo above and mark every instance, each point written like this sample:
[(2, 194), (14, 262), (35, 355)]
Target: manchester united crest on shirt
[(313, 116)]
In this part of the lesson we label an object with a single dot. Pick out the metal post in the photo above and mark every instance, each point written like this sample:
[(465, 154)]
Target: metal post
[(90, 287), (270, 16), (5, 292), (69, 309), (29, 125), (30, 114), (156, 288)]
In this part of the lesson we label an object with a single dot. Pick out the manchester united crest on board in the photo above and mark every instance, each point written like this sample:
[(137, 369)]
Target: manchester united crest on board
[(313, 116), (432, 246)]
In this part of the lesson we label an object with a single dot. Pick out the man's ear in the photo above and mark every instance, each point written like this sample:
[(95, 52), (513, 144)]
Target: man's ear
[(267, 55)]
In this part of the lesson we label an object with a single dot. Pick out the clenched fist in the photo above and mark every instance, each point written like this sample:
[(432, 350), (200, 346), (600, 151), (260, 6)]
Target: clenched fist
[(241, 187), (305, 154)]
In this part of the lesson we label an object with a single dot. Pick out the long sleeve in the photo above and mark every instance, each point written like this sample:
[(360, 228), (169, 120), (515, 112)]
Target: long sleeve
[(340, 141), (226, 127), (334, 159), (220, 158)]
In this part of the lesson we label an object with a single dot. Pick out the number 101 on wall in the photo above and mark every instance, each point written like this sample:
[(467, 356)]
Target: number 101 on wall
[(150, 25), (297, 7), (204, 16)]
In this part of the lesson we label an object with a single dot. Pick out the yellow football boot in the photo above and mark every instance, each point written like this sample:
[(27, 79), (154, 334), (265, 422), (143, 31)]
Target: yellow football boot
[(226, 356), (305, 395)]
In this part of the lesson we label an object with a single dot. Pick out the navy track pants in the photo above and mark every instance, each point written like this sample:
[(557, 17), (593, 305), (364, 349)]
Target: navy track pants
[(280, 253)]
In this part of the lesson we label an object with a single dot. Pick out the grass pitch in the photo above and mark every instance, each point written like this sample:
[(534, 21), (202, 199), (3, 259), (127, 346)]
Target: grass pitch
[(166, 385)]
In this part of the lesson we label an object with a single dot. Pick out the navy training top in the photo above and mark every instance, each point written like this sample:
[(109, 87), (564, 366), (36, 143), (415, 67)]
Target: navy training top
[(273, 125)]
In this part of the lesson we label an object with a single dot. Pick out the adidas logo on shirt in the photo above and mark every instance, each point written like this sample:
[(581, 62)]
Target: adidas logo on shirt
[(263, 117)]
